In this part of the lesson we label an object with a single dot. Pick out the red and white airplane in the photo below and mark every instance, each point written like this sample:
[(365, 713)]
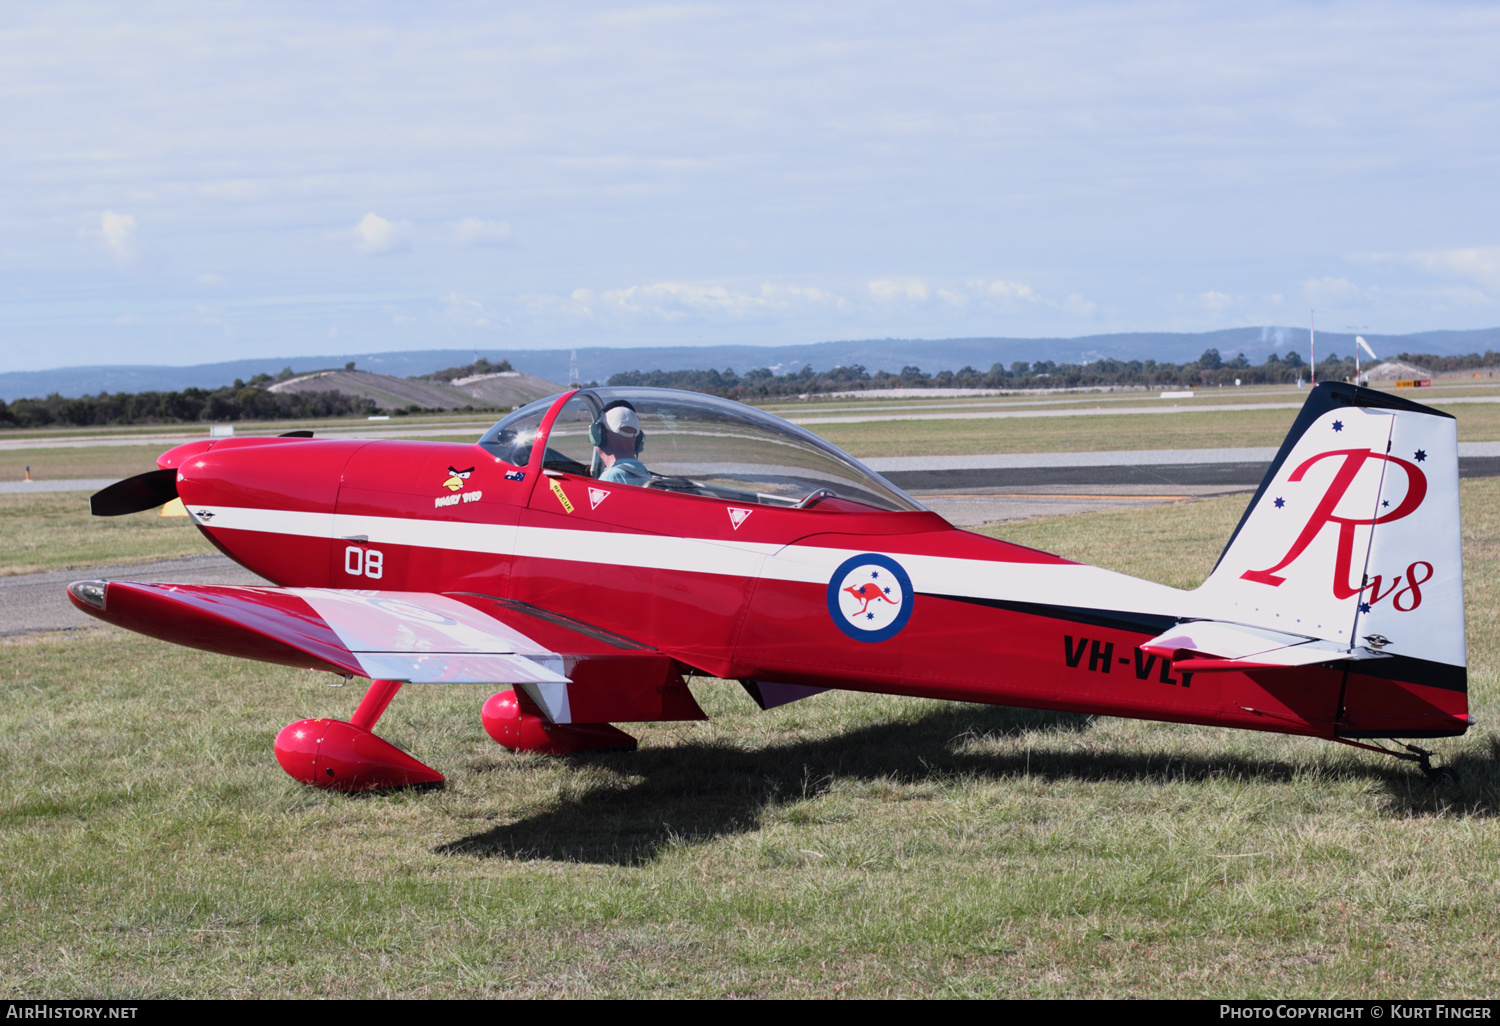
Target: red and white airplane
[(750, 549)]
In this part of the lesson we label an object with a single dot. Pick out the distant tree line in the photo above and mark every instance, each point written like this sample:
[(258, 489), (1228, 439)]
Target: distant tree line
[(479, 366), (1450, 364), (241, 401), (1210, 369), (251, 400)]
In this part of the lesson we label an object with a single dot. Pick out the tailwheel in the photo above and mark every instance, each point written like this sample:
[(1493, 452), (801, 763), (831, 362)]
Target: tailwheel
[(340, 756), (1421, 756), (524, 730)]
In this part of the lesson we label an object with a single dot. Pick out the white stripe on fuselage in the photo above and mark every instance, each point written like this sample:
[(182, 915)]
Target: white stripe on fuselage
[(1044, 583)]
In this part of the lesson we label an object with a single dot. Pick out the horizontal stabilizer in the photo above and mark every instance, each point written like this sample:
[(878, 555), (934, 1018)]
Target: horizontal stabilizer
[(1206, 646)]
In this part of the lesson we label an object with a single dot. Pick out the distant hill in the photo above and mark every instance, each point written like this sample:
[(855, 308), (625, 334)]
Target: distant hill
[(597, 363), (503, 389), (506, 388)]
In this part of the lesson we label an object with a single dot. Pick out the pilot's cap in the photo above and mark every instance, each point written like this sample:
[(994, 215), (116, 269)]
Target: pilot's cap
[(622, 421)]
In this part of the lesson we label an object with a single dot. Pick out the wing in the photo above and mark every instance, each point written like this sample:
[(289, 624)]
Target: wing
[(573, 671)]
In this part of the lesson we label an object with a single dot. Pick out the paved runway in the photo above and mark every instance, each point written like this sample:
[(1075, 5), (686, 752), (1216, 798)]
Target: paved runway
[(76, 484), (37, 602), (976, 507), (1172, 469)]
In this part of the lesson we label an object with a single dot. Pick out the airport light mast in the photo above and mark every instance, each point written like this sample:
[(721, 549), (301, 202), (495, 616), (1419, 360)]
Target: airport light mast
[(1312, 348)]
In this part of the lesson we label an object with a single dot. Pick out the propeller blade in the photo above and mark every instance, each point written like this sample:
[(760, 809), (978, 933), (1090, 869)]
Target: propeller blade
[(144, 491)]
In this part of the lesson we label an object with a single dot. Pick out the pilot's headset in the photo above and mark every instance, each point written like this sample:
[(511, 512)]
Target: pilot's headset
[(619, 418)]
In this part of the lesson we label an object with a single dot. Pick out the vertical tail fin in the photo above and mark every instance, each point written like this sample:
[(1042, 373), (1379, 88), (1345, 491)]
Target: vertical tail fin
[(1354, 534)]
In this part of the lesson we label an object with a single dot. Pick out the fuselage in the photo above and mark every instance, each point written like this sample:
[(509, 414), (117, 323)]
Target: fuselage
[(834, 594)]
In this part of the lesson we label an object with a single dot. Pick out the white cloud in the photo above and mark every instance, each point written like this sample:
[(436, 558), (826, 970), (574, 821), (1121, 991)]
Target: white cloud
[(1331, 290), (117, 231), (475, 231), (1008, 290), (398, 316), (1008, 293), (1479, 263), (374, 234), (1078, 306), (680, 302), (676, 301), (887, 289), (1215, 302), (468, 312)]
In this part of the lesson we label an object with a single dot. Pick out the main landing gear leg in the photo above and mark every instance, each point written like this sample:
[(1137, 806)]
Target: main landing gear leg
[(1421, 756), (339, 756)]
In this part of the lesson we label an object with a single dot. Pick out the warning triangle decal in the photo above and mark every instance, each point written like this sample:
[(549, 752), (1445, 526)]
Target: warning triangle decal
[(596, 496), (737, 516)]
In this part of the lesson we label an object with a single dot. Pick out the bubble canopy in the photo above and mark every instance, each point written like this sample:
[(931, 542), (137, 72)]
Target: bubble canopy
[(698, 444)]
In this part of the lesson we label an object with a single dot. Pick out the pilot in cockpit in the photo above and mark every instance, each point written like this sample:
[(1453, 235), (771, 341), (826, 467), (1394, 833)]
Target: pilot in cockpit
[(618, 440)]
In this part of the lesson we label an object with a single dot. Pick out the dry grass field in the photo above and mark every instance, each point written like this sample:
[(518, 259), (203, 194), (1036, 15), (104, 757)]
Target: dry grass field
[(53, 530), (1198, 428), (847, 845), (60, 464)]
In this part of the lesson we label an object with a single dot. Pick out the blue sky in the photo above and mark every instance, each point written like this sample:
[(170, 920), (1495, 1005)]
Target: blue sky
[(185, 183)]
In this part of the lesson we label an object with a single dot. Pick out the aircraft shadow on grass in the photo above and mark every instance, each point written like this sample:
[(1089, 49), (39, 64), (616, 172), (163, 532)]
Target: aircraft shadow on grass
[(696, 792)]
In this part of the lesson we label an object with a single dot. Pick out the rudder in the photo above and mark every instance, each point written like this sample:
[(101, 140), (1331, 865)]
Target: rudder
[(1354, 536)]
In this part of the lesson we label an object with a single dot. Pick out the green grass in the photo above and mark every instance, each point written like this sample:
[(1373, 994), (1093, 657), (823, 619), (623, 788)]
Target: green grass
[(845, 845), (1176, 544), (54, 530)]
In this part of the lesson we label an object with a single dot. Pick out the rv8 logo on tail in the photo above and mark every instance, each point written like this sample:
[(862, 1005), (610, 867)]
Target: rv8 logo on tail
[(870, 597), (1325, 513)]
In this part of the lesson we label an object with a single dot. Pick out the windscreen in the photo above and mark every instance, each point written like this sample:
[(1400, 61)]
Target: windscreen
[(702, 445), (511, 439)]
